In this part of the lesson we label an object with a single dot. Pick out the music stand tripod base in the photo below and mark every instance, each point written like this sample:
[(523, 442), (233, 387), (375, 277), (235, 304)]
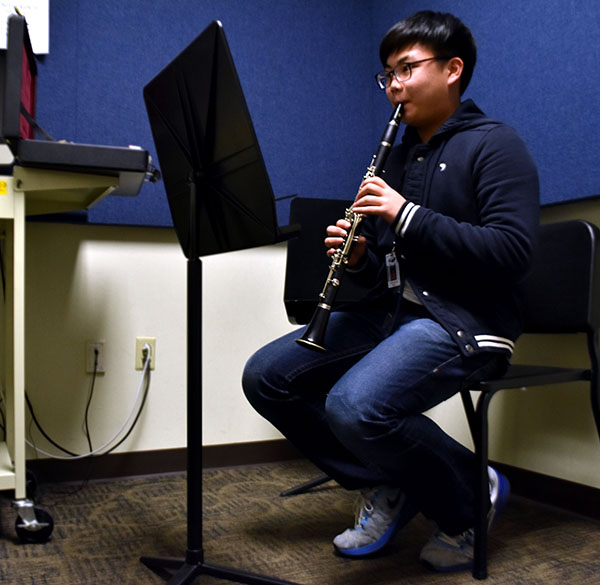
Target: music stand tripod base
[(187, 572)]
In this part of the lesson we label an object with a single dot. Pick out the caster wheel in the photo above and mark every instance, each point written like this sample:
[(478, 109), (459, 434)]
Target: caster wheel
[(38, 531)]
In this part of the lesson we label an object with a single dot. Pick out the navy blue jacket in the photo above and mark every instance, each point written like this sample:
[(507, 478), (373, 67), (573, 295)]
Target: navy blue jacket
[(465, 236)]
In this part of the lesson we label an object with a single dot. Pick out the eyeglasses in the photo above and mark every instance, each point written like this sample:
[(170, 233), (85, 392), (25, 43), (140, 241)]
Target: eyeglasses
[(402, 72)]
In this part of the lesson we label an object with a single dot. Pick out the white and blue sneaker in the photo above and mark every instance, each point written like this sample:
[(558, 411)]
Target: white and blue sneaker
[(380, 512), (455, 553), (499, 494)]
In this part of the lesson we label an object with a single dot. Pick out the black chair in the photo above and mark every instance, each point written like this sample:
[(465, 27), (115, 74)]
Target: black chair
[(561, 296)]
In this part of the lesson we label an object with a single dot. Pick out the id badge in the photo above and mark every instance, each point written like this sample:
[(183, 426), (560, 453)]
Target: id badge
[(393, 270)]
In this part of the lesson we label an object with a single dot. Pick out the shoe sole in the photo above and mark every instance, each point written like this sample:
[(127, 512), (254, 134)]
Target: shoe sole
[(369, 549), (451, 569)]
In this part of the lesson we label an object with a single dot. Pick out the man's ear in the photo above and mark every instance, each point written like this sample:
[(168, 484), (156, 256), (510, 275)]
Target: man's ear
[(455, 68)]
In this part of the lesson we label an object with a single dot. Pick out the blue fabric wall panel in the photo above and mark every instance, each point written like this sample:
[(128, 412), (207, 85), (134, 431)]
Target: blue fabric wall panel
[(305, 69), (538, 71)]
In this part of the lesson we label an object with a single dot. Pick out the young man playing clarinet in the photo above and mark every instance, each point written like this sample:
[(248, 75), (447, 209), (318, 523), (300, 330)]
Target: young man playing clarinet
[(455, 216)]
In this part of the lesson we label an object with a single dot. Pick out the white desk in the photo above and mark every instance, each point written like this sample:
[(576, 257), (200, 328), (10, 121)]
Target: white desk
[(29, 191)]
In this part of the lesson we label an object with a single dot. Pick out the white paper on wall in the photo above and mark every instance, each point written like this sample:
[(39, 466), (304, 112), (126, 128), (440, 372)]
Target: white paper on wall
[(37, 14)]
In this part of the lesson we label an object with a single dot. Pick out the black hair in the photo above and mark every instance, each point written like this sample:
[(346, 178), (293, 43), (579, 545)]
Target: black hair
[(445, 34)]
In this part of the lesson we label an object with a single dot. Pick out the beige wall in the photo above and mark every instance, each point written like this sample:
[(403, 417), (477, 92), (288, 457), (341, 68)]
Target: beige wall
[(114, 284)]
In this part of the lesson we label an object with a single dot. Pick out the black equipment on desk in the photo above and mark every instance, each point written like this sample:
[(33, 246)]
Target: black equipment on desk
[(18, 77)]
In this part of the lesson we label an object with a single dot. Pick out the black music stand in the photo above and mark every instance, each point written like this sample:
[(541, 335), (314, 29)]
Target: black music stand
[(221, 200)]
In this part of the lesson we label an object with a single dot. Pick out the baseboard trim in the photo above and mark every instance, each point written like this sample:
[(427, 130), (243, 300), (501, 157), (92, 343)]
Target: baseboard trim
[(553, 491), (159, 461), (568, 495)]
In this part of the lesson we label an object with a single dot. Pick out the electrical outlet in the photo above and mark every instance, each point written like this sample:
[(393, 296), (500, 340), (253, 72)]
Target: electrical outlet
[(94, 362), (140, 342)]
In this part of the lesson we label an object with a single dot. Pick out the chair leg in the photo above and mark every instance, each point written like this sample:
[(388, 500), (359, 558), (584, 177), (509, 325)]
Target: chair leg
[(596, 408), (305, 487), (594, 382), (482, 491), (470, 412), (595, 398)]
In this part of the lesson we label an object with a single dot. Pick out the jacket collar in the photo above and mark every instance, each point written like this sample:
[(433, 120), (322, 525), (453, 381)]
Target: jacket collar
[(467, 115)]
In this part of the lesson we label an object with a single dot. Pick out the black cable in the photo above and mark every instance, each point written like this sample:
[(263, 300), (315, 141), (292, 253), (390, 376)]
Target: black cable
[(36, 127), (92, 458), (137, 416), (46, 436), (86, 425), (135, 420)]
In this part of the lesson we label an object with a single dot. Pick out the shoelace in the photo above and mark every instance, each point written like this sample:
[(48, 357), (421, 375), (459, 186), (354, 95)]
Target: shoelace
[(363, 507), (459, 540)]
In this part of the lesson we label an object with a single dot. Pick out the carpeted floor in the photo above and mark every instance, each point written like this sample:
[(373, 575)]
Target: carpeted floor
[(103, 528)]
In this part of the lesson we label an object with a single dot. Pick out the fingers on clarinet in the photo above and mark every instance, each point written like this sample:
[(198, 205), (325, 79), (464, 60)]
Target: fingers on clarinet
[(336, 232), (333, 243)]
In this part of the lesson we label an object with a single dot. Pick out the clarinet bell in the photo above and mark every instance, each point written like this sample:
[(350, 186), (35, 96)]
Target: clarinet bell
[(313, 336)]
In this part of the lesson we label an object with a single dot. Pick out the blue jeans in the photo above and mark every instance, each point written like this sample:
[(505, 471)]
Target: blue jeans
[(356, 411)]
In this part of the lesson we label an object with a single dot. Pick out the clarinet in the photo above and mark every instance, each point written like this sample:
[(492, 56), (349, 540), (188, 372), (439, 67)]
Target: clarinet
[(315, 331)]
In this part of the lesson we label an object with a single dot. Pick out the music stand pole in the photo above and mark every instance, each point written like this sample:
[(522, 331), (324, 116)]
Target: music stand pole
[(193, 565)]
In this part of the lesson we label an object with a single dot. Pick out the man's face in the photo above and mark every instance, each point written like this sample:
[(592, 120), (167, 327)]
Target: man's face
[(427, 96)]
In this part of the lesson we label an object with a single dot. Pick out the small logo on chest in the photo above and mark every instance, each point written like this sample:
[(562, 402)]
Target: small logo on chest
[(442, 167)]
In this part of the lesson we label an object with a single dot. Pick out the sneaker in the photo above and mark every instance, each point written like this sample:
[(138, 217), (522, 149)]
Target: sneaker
[(499, 494), (455, 553), (380, 512), (448, 553)]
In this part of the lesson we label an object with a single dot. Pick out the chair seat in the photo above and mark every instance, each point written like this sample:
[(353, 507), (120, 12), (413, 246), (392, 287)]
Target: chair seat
[(518, 376)]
